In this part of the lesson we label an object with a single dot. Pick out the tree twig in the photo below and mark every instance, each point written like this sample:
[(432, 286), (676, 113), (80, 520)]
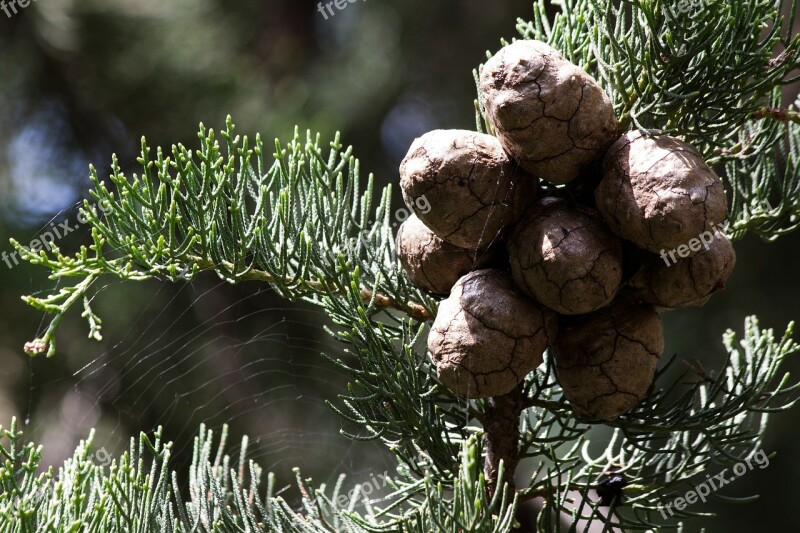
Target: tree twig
[(501, 427), (777, 113), (413, 309)]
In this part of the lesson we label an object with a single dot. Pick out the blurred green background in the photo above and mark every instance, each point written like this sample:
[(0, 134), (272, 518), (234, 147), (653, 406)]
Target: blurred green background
[(82, 79)]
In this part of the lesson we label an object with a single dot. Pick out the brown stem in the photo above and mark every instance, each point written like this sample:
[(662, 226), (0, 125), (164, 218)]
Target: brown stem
[(413, 309), (501, 435), (777, 113)]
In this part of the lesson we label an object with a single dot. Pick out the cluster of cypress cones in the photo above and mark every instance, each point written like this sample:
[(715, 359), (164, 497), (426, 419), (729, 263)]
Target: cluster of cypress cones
[(584, 269)]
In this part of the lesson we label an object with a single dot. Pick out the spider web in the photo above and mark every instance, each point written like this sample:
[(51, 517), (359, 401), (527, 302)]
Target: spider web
[(180, 355)]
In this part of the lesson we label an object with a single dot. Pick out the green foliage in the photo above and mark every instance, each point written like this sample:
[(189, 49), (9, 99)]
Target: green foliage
[(303, 222), (664, 446), (667, 444), (138, 492), (82, 496), (701, 73), (466, 507), (765, 195)]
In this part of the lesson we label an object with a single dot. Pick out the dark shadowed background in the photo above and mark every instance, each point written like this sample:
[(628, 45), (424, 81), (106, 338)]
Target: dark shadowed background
[(82, 79)]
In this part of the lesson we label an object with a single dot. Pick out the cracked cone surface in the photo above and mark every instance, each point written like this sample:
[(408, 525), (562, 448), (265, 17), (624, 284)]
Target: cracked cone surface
[(472, 188), (689, 282), (658, 193), (566, 258), (606, 361), (430, 262), (487, 335), (549, 114)]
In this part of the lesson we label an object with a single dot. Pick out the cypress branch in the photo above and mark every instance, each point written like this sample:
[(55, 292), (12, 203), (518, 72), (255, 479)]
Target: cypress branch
[(303, 222)]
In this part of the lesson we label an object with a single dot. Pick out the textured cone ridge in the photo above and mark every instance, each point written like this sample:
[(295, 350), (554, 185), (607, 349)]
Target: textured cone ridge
[(487, 336), (473, 190), (690, 281), (549, 114), (566, 258), (606, 361), (430, 262), (658, 193)]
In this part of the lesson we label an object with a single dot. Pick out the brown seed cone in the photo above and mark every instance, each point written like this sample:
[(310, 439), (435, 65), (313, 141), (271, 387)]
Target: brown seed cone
[(658, 193), (430, 262), (549, 114), (566, 258), (686, 282), (487, 336), (606, 361), (468, 186)]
